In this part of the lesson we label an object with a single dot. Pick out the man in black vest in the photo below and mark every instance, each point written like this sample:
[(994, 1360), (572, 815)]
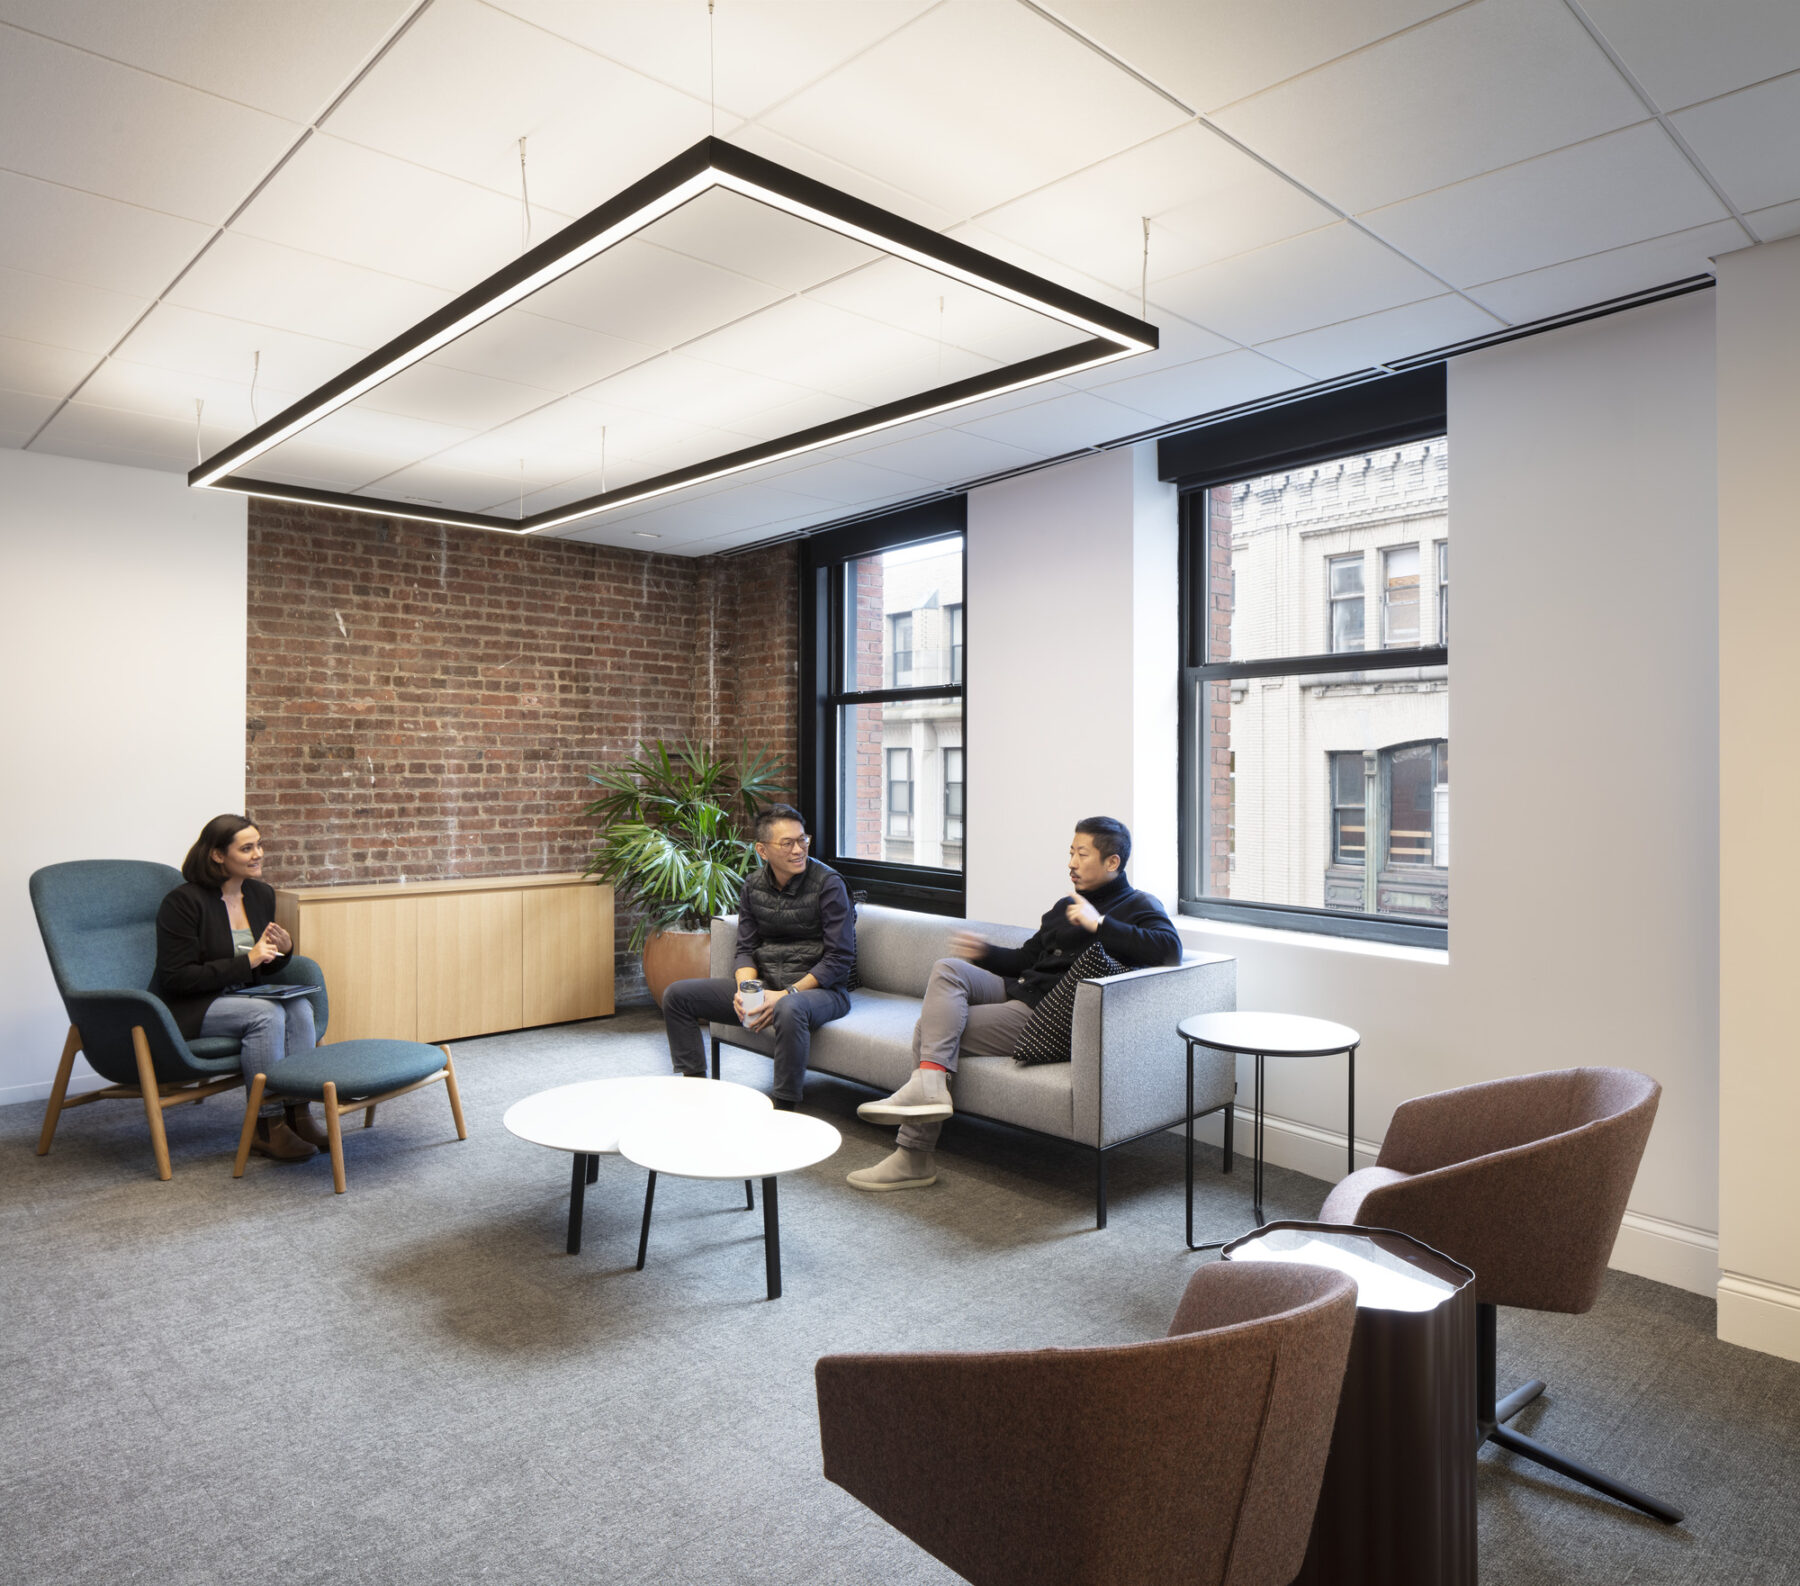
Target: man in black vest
[(797, 935), (979, 1002)]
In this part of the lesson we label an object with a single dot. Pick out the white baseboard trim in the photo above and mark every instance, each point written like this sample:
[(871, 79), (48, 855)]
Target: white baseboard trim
[(79, 1085), (1759, 1315), (1672, 1253)]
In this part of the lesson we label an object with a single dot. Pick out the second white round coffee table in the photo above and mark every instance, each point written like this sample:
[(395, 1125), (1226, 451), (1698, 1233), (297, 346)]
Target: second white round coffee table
[(724, 1145), (587, 1118)]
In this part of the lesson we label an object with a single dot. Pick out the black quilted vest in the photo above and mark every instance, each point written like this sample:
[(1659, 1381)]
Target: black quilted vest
[(793, 935)]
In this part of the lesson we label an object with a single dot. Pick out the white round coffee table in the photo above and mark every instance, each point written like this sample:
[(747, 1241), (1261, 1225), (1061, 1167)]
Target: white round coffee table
[(587, 1118), (721, 1145)]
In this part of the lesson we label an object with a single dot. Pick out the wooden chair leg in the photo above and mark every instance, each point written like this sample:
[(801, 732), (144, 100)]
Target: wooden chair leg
[(462, 1129), (58, 1090), (334, 1133), (159, 1142), (368, 1117), (250, 1110)]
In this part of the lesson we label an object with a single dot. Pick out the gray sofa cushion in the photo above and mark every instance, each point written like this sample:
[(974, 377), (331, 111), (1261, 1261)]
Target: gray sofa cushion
[(896, 948), (1040, 1097), (872, 1042)]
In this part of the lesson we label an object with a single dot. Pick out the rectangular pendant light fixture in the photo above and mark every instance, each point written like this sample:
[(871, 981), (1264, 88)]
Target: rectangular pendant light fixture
[(1107, 335)]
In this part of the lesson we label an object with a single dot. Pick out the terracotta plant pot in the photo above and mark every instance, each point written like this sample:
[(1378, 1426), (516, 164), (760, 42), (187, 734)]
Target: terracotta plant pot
[(670, 956)]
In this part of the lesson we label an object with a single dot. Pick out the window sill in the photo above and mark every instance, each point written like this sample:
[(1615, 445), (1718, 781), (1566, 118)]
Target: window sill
[(1193, 931)]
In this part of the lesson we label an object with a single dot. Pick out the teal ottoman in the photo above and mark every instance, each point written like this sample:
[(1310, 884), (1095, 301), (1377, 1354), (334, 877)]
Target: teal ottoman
[(348, 1075)]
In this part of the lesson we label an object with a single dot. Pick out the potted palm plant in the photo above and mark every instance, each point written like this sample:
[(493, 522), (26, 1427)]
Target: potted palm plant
[(673, 837)]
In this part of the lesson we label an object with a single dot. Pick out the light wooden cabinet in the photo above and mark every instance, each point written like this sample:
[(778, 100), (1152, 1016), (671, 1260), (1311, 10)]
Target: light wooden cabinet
[(443, 960)]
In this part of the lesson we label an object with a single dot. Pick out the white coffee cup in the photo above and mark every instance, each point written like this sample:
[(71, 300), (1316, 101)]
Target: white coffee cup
[(750, 997)]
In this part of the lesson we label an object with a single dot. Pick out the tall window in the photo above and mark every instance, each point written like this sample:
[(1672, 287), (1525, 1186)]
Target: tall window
[(1400, 596), (899, 793), (882, 748), (1344, 580), (901, 649), (1315, 753)]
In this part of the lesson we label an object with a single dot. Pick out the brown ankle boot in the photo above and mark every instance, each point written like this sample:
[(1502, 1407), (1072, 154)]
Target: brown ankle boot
[(274, 1139), (300, 1120)]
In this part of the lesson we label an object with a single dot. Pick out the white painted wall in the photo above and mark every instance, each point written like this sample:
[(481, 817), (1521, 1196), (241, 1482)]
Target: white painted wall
[(1759, 768), (1072, 574), (1582, 501), (123, 655)]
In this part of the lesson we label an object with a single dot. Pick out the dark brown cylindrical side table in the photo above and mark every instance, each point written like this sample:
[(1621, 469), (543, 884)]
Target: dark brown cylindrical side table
[(1398, 1504)]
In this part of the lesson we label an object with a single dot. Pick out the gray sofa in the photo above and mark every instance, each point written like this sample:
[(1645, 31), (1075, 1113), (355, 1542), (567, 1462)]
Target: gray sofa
[(1127, 1077)]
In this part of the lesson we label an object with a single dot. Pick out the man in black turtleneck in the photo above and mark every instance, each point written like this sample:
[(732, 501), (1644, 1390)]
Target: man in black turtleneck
[(979, 1001)]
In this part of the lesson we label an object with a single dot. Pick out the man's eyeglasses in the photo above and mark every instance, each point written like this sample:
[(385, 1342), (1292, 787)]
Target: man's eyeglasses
[(791, 845)]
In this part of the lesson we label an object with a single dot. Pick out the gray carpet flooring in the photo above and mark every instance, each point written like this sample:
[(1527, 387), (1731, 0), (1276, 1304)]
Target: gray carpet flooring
[(213, 1380)]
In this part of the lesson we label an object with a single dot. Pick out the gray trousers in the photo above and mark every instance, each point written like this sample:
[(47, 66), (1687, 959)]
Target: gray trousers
[(689, 1003), (966, 1011), (269, 1030)]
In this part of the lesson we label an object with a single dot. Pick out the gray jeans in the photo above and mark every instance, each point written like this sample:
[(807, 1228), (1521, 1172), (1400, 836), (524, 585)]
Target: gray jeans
[(966, 1011), (269, 1030)]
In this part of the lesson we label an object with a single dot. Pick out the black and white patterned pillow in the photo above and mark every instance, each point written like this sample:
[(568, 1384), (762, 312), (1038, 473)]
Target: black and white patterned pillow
[(1047, 1035)]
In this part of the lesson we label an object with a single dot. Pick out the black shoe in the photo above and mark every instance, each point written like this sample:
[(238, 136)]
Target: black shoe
[(783, 1104)]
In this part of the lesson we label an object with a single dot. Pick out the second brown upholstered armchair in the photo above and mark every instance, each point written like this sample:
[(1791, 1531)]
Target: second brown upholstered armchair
[(1192, 1459), (1524, 1181)]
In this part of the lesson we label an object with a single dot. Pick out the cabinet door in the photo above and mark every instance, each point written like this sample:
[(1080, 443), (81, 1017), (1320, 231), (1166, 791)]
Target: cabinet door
[(469, 964), (368, 949), (568, 953)]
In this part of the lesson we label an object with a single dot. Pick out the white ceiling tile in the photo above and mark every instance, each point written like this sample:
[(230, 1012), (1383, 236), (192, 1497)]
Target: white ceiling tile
[(678, 386), (431, 484), (22, 414), (1750, 141), (848, 481), (1485, 86), (1065, 423), (529, 348), (1203, 387), (1315, 279), (755, 239), (642, 293), (129, 387), (1206, 200), (154, 442), (173, 337), (688, 513), (290, 60), (64, 313), (78, 236), (1211, 52), (75, 119), (822, 165), (382, 439), (453, 396), (760, 50), (347, 202), (973, 104), (1623, 188), (306, 293), (790, 418), (1682, 52), (466, 82), (1382, 338), (1783, 220), (32, 369), (951, 457), (1604, 276)]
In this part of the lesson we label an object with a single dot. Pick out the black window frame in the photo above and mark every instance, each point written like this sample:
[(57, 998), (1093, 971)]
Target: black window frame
[(824, 692), (1371, 416)]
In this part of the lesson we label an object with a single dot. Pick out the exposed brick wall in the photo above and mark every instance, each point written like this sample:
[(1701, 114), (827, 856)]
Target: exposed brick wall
[(424, 702)]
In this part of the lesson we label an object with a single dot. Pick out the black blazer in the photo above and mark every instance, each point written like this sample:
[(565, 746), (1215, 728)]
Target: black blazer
[(195, 959)]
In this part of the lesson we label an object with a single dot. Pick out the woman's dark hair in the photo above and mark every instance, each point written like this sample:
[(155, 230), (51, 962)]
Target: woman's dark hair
[(219, 832), (767, 818), (1110, 837)]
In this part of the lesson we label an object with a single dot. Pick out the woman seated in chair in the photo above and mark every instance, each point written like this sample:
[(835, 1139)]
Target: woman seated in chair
[(217, 932)]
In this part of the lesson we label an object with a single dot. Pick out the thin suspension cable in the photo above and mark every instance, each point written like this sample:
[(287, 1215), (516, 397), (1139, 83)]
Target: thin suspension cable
[(712, 71), (1144, 275), (255, 370), (602, 459), (199, 408), (524, 202)]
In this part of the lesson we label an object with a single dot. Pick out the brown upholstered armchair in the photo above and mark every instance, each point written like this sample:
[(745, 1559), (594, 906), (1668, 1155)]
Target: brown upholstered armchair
[(1524, 1180), (1195, 1458)]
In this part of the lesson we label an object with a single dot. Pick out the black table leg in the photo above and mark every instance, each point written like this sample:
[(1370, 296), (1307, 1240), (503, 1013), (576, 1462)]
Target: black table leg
[(1350, 1124), (771, 1240), (578, 1183), (749, 1197), (1256, 1169), (644, 1232), (593, 1166)]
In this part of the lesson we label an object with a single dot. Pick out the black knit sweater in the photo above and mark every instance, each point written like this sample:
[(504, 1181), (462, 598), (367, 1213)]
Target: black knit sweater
[(1133, 929)]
